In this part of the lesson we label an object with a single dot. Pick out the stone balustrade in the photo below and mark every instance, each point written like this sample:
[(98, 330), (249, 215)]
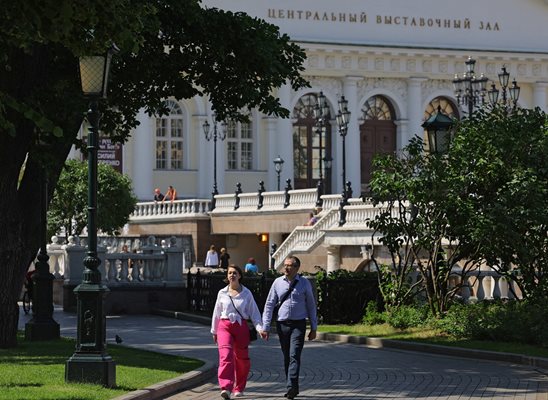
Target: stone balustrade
[(153, 210)]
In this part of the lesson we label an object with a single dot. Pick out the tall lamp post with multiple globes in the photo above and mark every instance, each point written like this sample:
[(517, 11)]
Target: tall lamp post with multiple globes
[(214, 135), (91, 362), (471, 91), (321, 113), (278, 165), (343, 118)]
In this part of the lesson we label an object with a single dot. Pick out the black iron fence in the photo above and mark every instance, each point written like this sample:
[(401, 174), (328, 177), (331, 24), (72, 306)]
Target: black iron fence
[(340, 301)]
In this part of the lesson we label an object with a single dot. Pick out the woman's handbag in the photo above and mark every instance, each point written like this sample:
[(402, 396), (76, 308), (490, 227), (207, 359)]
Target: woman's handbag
[(252, 330)]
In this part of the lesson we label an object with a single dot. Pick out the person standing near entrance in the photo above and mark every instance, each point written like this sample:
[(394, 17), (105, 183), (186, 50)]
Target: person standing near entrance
[(212, 258), (291, 298), (235, 304)]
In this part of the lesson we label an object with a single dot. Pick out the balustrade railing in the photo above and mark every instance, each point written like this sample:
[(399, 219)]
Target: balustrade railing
[(168, 210), (305, 238)]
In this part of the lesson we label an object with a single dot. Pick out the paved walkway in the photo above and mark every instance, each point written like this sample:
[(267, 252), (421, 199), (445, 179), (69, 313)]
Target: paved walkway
[(331, 370)]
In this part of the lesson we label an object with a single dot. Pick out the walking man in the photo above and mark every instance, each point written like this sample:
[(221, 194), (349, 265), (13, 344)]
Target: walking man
[(289, 302)]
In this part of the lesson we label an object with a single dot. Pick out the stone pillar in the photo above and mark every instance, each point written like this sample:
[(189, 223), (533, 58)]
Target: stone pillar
[(284, 135), (415, 110), (174, 263), (539, 95), (333, 258), (353, 154), (143, 157)]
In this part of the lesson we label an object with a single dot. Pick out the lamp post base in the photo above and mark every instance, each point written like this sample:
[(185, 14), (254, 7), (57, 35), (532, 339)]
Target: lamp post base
[(42, 330), (93, 368)]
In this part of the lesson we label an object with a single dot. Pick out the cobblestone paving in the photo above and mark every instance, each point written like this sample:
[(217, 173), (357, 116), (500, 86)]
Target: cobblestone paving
[(331, 370)]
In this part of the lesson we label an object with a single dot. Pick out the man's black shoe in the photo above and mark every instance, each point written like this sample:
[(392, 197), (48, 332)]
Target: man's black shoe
[(291, 393)]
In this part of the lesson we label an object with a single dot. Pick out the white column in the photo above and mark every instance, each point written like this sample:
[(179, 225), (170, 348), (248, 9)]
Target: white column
[(415, 110), (143, 157), (284, 137), (270, 124), (539, 95), (353, 155), (333, 258)]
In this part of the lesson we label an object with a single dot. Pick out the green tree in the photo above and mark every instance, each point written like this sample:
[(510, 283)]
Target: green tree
[(168, 48), (499, 168), (115, 199), (412, 191), (484, 202)]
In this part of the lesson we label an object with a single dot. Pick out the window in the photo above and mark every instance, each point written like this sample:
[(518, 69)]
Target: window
[(446, 107), (239, 145), (169, 138)]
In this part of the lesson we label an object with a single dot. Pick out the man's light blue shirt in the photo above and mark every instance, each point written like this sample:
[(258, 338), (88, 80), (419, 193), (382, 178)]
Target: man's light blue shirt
[(299, 305)]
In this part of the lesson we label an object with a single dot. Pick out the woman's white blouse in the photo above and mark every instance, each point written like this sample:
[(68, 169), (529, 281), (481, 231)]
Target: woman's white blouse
[(245, 303)]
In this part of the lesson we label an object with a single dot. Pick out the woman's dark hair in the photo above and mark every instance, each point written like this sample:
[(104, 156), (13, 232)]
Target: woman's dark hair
[(237, 269)]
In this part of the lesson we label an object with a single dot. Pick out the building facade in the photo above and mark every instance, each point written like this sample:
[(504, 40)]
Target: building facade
[(394, 62)]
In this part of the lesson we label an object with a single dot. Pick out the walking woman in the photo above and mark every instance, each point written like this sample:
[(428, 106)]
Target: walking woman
[(235, 304)]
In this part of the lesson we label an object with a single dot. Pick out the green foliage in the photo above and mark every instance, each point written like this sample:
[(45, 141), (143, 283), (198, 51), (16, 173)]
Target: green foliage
[(404, 317), (503, 196), (471, 200), (68, 209), (514, 321), (36, 370), (372, 315)]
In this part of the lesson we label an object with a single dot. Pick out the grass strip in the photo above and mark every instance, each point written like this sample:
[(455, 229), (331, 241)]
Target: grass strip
[(433, 336), (36, 370)]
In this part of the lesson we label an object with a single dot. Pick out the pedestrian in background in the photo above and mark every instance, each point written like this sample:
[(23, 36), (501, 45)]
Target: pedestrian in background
[(171, 194), (292, 300), (251, 266), (224, 259), (234, 306), (158, 196), (212, 258)]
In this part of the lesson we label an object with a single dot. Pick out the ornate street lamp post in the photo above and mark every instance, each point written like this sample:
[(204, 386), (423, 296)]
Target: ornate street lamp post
[(513, 91), (469, 90), (278, 165), (91, 362), (321, 114), (438, 127), (343, 117), (221, 135), (42, 326)]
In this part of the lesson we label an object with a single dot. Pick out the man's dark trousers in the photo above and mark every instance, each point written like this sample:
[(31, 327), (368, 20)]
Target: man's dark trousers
[(291, 334)]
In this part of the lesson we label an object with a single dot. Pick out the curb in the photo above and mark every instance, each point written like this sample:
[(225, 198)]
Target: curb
[(539, 362), (163, 389)]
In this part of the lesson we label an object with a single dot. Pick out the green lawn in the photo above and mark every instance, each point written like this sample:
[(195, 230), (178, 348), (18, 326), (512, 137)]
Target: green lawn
[(432, 336), (36, 370)]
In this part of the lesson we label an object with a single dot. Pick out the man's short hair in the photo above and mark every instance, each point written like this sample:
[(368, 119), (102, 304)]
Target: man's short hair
[(295, 261)]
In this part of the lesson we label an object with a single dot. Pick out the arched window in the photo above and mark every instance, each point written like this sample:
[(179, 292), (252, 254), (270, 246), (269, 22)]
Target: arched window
[(377, 108), (239, 142), (308, 148), (447, 107), (169, 138)]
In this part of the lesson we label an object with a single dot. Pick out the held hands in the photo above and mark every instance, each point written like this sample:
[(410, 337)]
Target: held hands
[(264, 335)]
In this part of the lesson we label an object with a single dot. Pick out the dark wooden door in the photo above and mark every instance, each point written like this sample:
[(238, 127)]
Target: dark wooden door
[(376, 137)]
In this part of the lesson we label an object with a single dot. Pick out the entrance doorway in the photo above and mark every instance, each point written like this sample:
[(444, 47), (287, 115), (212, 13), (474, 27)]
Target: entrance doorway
[(377, 136)]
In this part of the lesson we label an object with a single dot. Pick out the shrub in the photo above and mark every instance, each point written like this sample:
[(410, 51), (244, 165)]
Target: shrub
[(404, 317), (372, 314)]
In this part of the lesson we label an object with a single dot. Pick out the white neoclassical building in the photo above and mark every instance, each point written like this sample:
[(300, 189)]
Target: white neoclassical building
[(394, 62)]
